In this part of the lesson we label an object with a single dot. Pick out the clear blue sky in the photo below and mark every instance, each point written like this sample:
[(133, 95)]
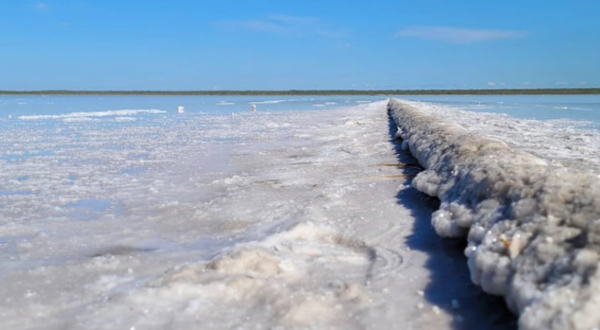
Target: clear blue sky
[(259, 44)]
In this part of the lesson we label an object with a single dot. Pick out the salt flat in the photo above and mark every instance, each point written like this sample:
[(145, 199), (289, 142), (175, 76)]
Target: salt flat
[(251, 220)]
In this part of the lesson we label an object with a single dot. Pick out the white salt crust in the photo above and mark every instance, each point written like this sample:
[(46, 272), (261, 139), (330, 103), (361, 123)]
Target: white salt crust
[(533, 227)]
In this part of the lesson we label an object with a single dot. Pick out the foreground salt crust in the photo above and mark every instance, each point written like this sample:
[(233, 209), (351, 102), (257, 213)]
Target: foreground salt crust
[(252, 220), (533, 228)]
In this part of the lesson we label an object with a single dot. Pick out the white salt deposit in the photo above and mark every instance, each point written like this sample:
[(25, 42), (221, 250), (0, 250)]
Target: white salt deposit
[(107, 113), (532, 224), (260, 220)]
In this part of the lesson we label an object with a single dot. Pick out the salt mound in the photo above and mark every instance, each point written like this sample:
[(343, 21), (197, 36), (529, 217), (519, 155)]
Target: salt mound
[(533, 229), (288, 280)]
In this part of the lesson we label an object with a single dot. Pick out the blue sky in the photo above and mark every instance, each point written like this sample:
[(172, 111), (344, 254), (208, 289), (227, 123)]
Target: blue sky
[(327, 44)]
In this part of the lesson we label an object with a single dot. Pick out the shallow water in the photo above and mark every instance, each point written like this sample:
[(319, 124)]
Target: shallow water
[(215, 105), (543, 107)]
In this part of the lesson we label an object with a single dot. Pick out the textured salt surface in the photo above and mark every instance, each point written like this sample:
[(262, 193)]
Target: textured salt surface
[(560, 141), (532, 224), (254, 220)]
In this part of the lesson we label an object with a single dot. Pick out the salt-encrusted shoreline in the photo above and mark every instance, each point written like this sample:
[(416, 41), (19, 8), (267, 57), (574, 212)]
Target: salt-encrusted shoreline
[(533, 228)]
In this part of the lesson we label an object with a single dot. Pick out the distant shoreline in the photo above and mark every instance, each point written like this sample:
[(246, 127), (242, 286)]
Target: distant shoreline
[(540, 91)]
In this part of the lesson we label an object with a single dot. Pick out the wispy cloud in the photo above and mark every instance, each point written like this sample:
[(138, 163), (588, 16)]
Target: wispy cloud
[(42, 6), (455, 35), (293, 20), (255, 25), (285, 25), (335, 33)]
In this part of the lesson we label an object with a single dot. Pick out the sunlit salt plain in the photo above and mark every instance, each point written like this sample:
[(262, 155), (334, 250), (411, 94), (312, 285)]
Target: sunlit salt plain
[(120, 213)]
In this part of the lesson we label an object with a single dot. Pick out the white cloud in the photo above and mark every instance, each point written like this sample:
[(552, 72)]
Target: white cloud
[(456, 35), (257, 25), (339, 33), (285, 25), (293, 19), (491, 83), (527, 83)]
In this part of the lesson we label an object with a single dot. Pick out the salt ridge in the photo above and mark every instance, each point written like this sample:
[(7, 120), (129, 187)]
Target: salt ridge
[(533, 227)]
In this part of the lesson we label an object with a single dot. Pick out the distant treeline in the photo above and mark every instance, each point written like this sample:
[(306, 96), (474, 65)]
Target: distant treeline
[(541, 91)]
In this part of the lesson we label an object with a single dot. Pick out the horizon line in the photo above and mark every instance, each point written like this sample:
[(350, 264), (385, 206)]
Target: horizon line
[(480, 91)]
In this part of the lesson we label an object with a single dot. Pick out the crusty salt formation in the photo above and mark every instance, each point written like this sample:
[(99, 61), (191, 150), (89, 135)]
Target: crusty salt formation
[(533, 229)]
